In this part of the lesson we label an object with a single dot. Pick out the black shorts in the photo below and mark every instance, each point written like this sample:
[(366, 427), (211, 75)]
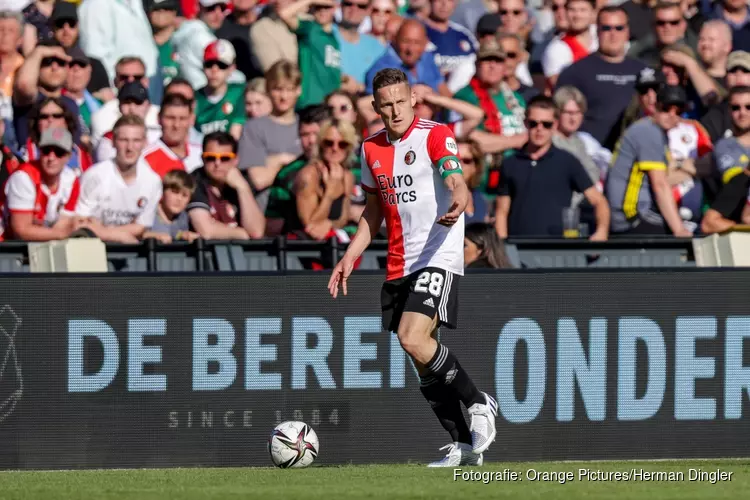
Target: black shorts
[(429, 291)]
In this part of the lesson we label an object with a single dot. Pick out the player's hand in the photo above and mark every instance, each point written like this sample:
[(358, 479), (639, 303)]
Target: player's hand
[(340, 274), (459, 202)]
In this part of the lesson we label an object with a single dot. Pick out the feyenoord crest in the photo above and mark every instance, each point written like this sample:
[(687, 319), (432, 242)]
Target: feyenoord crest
[(410, 157), (450, 165), (227, 108)]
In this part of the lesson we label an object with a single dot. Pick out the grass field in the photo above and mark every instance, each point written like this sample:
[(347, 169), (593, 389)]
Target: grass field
[(391, 482)]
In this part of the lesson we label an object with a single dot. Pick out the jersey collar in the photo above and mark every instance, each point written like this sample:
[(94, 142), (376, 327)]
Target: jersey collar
[(406, 134)]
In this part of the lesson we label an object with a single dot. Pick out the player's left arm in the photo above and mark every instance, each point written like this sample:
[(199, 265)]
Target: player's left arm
[(443, 152)]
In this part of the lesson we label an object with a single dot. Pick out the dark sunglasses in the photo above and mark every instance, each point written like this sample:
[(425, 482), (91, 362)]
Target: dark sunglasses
[(555, 8), (737, 107), (666, 108), (494, 58), (78, 64), (58, 152), (516, 12), (605, 28), (341, 109), (49, 61), (673, 22), (219, 64), (129, 78), (327, 143), (61, 23), (382, 11), (511, 55), (467, 161), (360, 6), (218, 157), (50, 116), (534, 124)]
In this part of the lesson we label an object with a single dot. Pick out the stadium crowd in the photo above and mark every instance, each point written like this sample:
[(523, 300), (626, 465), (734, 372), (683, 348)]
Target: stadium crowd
[(180, 119)]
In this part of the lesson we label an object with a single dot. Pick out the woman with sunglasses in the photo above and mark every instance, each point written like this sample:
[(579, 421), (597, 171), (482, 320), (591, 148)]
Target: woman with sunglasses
[(48, 113), (323, 187)]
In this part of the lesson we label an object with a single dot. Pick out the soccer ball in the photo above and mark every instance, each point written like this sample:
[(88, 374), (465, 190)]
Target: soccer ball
[(293, 444)]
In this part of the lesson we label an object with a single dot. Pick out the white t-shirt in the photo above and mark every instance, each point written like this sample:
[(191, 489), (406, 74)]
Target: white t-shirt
[(106, 196)]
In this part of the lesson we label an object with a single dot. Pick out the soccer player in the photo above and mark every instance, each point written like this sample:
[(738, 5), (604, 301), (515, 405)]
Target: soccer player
[(410, 172)]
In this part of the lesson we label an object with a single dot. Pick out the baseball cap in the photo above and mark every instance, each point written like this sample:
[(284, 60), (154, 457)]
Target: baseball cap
[(490, 48), (211, 3), (164, 5), (57, 136), (649, 78), (77, 55), (133, 91), (488, 25), (220, 50), (672, 95), (738, 59), (64, 10)]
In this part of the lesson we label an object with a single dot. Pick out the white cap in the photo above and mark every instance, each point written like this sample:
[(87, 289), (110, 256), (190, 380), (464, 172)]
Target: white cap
[(211, 3), (220, 50)]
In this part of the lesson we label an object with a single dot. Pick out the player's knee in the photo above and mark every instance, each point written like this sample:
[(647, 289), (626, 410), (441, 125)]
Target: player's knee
[(412, 339)]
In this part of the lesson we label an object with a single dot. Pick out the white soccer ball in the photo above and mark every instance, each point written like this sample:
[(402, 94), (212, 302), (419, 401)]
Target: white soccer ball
[(293, 444)]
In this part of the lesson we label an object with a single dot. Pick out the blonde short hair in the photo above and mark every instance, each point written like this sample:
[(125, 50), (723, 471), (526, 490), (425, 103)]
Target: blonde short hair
[(256, 85)]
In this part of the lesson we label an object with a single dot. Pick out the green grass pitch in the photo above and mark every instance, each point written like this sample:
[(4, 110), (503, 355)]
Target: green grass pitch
[(391, 482)]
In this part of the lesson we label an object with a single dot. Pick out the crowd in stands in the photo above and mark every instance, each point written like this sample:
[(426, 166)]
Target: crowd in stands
[(243, 119)]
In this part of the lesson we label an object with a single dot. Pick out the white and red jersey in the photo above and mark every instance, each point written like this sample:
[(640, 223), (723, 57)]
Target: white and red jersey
[(26, 192), (689, 140), (106, 196), (407, 175), (162, 159)]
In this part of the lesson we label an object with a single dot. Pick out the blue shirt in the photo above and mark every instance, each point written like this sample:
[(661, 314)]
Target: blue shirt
[(451, 48), (357, 58), (425, 71)]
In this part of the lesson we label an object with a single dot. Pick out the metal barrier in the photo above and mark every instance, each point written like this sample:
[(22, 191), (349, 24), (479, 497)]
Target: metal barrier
[(281, 254)]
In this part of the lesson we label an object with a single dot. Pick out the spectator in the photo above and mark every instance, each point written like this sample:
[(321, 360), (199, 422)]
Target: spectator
[(9, 161), (40, 196), (111, 31), (381, 12), (606, 77), (236, 28), (341, 107), (579, 41), (515, 56), (640, 18), (173, 151), (358, 51), (43, 74), (680, 67), (133, 100), (11, 31), (119, 197), (319, 51), (732, 152), (483, 249), (637, 185), (128, 69), (281, 193), (718, 120), (736, 14), (571, 106), (76, 87), (162, 15), (731, 206), (469, 12), (473, 171), (322, 188), (64, 24), (503, 108), (172, 222), (36, 16), (257, 102), (537, 183), (417, 9), (429, 105), (220, 104), (51, 112), (223, 206), (559, 28), (271, 141), (714, 46), (271, 39), (453, 44), (512, 18), (670, 28), (643, 104)]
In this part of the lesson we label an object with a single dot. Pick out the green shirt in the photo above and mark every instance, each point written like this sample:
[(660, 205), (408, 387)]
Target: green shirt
[(511, 125), (319, 62), (170, 68), (281, 192), (219, 115)]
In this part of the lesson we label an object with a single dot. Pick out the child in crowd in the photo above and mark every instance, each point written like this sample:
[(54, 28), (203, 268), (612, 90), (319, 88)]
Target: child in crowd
[(172, 222)]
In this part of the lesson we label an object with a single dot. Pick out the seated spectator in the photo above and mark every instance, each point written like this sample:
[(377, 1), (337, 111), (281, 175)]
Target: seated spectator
[(65, 29), (637, 186), (571, 106), (323, 187), (257, 102), (731, 206), (537, 183), (127, 70), (51, 112), (182, 87), (319, 50), (40, 196), (119, 196), (269, 142), (11, 31), (472, 164), (172, 222), (220, 104), (79, 76), (9, 161), (223, 206), (132, 100), (483, 249), (173, 150)]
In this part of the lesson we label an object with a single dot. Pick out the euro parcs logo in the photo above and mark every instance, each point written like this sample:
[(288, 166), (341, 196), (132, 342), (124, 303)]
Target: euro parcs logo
[(11, 379)]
